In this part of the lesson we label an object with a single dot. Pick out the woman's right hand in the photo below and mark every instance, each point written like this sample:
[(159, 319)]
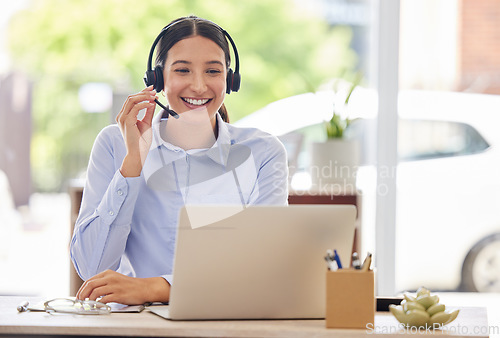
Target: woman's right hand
[(137, 134), (111, 286)]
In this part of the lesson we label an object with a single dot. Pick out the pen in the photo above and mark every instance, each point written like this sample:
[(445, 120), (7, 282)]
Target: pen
[(23, 307), (355, 262), (337, 259), (330, 260), (329, 254), (330, 264), (367, 262)]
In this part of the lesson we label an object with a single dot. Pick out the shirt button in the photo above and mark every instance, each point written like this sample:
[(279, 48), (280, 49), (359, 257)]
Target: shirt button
[(119, 192), (111, 213)]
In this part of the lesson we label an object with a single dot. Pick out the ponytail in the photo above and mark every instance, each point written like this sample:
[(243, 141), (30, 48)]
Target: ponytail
[(223, 113)]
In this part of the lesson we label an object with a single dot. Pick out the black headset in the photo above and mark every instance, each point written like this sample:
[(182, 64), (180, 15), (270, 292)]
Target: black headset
[(155, 76)]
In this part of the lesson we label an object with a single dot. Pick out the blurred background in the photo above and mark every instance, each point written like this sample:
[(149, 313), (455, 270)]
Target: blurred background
[(66, 68)]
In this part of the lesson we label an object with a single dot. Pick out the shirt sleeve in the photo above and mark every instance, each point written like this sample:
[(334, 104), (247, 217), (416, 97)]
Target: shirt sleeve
[(105, 217), (272, 177)]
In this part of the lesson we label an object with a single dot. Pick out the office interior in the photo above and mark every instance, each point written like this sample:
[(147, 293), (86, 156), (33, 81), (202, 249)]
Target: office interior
[(425, 47)]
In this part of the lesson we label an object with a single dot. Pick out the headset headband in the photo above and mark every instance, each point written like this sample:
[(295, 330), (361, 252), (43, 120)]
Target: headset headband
[(235, 51)]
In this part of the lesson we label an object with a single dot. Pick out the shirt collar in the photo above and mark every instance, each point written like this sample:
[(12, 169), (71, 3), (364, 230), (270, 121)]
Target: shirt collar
[(155, 127), (219, 152)]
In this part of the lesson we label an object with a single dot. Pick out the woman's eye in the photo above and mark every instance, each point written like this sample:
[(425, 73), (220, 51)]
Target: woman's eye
[(213, 71), (182, 70)]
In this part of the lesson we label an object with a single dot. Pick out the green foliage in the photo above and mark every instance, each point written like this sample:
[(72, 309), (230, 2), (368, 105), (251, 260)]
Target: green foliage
[(337, 125), (63, 44)]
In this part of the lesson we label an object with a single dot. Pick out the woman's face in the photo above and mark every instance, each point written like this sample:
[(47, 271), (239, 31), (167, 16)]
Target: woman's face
[(195, 75)]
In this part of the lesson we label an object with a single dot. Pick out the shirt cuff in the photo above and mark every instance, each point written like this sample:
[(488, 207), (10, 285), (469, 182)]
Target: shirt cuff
[(168, 278)]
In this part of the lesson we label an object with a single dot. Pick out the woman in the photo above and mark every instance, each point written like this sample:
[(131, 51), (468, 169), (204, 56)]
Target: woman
[(144, 169)]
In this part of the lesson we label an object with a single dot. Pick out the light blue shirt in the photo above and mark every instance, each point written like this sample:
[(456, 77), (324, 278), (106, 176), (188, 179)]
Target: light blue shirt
[(129, 224)]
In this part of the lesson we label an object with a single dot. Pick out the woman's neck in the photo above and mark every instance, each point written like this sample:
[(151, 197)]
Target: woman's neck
[(190, 131)]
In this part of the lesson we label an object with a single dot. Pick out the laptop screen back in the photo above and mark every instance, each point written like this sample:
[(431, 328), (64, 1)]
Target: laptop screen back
[(261, 262)]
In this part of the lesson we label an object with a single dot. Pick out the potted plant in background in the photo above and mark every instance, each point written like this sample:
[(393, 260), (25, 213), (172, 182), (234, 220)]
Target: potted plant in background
[(334, 162)]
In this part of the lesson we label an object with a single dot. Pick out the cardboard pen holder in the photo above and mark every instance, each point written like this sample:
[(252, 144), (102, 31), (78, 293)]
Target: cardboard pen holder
[(350, 298)]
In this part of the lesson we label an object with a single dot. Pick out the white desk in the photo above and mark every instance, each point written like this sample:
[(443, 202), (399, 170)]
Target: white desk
[(470, 322)]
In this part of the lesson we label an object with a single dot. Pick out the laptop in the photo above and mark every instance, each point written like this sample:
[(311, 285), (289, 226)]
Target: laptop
[(258, 262)]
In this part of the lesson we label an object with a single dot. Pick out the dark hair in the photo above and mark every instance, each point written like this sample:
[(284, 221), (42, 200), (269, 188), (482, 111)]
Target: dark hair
[(189, 26)]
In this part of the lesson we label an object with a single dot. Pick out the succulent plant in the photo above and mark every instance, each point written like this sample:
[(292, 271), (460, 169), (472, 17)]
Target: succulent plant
[(423, 309)]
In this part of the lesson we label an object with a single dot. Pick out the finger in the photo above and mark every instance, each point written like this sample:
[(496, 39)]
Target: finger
[(80, 291), (82, 288), (100, 291), (112, 298), (83, 292), (134, 99), (120, 298), (148, 116), (89, 286), (131, 117), (146, 92), (148, 88), (108, 299)]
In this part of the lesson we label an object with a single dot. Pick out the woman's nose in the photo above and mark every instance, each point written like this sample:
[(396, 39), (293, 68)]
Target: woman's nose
[(198, 84)]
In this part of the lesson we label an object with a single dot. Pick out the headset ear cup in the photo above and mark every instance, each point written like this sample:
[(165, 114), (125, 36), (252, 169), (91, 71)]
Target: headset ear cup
[(229, 81), (235, 86), (149, 78), (158, 82)]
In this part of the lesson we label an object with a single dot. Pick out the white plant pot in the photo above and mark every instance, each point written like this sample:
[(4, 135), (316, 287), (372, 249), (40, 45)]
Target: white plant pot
[(334, 165)]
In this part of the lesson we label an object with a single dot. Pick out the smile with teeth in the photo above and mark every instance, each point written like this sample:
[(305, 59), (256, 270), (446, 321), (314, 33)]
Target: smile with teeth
[(195, 102)]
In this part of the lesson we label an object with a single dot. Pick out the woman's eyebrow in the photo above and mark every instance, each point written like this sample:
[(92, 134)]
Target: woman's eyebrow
[(188, 62), (214, 62), (181, 61)]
